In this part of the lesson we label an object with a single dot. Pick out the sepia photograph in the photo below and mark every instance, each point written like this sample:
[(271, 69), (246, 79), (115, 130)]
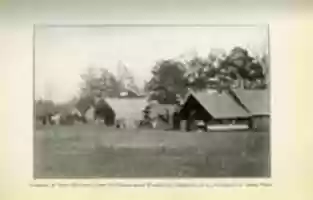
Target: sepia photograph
[(151, 101)]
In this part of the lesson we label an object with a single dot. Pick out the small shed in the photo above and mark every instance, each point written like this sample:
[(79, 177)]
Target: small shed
[(257, 103), (211, 107)]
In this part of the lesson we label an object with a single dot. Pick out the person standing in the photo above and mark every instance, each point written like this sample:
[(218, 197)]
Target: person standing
[(176, 118)]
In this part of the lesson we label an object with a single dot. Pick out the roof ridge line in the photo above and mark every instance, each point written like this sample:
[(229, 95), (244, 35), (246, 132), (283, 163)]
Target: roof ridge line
[(237, 100)]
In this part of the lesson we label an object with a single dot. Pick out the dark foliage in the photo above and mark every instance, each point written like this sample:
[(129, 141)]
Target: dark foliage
[(238, 68)]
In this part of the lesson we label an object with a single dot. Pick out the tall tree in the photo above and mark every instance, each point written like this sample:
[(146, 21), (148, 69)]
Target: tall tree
[(99, 82), (167, 81), (201, 72), (242, 67), (222, 71)]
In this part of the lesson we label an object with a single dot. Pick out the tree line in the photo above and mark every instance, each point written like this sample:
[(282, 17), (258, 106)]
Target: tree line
[(171, 78), (219, 71)]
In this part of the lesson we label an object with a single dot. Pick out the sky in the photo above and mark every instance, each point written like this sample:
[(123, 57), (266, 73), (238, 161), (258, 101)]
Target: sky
[(63, 53)]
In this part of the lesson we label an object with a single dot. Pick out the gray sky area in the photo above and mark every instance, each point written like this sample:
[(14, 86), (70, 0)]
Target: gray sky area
[(63, 53)]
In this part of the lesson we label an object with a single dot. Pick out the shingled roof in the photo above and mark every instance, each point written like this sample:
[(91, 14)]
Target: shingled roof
[(218, 104), (257, 102)]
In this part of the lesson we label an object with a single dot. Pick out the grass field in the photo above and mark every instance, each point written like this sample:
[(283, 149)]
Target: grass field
[(95, 151)]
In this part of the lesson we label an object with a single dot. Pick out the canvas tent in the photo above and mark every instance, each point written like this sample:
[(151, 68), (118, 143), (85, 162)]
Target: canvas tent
[(128, 110), (257, 103), (105, 112), (211, 106)]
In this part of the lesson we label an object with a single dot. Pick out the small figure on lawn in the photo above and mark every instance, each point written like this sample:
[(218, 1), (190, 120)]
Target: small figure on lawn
[(146, 121)]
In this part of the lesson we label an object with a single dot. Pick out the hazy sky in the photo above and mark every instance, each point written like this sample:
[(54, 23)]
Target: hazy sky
[(63, 53)]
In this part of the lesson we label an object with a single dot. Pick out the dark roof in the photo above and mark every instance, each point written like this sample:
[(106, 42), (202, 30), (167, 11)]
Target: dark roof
[(219, 105), (257, 102)]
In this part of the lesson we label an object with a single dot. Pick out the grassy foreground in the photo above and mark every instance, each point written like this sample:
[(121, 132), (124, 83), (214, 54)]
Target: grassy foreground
[(95, 151)]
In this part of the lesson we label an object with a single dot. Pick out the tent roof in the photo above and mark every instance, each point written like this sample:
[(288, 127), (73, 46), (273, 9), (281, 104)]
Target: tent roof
[(130, 108), (219, 105), (256, 101)]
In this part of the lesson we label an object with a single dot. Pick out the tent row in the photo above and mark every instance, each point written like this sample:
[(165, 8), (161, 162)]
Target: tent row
[(234, 107), (204, 109)]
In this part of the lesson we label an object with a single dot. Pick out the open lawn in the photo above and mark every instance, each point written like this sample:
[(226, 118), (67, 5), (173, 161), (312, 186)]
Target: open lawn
[(95, 151)]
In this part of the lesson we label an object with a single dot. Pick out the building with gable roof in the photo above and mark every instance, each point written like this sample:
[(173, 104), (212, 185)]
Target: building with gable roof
[(257, 104), (211, 106), (128, 111)]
